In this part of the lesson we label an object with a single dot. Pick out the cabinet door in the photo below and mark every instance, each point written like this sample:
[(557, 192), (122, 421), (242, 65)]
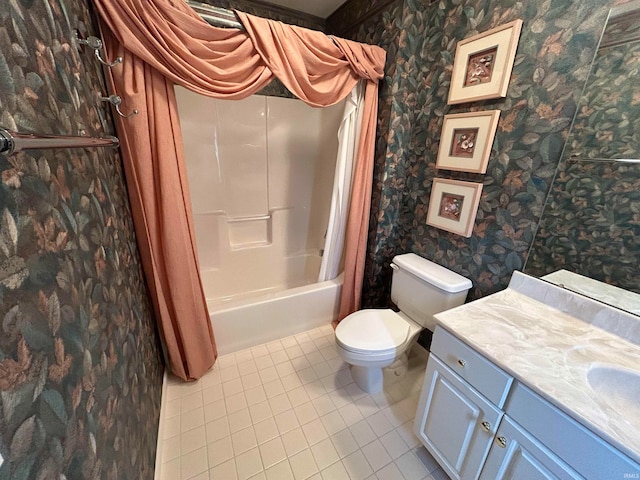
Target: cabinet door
[(454, 422), (515, 454)]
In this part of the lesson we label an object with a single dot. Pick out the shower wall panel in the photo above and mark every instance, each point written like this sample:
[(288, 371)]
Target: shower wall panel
[(302, 157), (241, 156), (261, 175)]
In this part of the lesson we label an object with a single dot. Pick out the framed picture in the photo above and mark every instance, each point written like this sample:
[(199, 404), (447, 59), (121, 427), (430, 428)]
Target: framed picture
[(483, 63), (453, 205), (466, 141)]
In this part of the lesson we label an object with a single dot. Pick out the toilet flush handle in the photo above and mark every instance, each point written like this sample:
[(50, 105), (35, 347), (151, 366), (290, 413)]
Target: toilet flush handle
[(394, 266)]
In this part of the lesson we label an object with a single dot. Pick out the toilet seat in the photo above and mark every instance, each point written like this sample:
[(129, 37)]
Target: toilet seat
[(373, 331)]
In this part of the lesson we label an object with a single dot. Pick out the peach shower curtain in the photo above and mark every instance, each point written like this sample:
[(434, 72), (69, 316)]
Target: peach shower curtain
[(164, 42)]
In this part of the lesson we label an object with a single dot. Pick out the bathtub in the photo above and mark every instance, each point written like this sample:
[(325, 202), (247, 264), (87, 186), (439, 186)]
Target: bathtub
[(252, 318)]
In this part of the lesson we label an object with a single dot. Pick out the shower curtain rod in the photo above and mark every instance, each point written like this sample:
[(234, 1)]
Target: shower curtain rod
[(216, 16), (13, 142), (219, 17)]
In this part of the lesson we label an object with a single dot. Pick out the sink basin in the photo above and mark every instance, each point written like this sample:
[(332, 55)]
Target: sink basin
[(617, 387)]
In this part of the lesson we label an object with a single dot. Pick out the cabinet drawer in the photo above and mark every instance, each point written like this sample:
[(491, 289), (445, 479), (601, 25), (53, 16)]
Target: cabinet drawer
[(488, 379), (584, 451)]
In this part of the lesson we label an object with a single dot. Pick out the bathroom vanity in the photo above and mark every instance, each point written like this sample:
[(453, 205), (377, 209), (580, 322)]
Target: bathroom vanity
[(533, 382)]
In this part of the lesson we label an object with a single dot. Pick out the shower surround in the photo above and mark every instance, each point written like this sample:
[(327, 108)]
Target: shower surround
[(261, 174)]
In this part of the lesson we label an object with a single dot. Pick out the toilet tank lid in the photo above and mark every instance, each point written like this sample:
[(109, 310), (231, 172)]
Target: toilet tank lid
[(435, 274)]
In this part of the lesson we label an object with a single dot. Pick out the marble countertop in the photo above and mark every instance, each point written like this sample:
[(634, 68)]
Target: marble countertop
[(548, 338)]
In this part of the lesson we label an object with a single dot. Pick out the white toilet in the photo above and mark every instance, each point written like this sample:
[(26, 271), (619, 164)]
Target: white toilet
[(373, 339)]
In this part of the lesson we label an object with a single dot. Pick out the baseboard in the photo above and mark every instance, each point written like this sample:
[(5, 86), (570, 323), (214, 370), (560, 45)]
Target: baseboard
[(420, 352), (163, 406)]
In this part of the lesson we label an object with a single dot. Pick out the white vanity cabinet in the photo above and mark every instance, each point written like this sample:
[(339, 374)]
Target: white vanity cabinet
[(455, 421), (588, 454), (480, 423)]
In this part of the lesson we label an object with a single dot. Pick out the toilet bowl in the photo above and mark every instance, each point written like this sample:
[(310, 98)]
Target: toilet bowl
[(372, 340)]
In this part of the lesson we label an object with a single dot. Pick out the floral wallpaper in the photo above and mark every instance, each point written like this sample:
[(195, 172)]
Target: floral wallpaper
[(591, 222), (80, 363), (556, 47), (348, 20), (608, 122)]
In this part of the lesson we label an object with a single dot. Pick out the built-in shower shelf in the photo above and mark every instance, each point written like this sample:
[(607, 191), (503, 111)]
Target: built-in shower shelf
[(248, 219), (249, 232)]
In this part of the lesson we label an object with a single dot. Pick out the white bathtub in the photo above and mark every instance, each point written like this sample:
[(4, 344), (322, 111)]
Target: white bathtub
[(243, 323), (259, 294)]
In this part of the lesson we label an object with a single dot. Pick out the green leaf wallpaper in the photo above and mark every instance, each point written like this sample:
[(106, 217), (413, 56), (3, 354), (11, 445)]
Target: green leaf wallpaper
[(558, 42), (591, 222), (608, 124), (80, 362)]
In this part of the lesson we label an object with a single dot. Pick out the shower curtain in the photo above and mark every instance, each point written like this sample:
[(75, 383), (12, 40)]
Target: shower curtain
[(348, 135), (164, 42)]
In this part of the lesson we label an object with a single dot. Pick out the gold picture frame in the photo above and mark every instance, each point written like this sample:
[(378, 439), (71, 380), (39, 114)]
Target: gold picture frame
[(453, 205), (483, 64), (466, 141)]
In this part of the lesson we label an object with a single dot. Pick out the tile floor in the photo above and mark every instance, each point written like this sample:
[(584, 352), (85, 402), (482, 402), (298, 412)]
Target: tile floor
[(289, 410)]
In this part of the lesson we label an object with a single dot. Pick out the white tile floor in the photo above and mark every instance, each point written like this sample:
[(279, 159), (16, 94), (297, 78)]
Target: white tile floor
[(290, 410)]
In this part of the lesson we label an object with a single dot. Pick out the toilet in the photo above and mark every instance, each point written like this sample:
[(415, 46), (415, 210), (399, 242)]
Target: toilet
[(375, 339)]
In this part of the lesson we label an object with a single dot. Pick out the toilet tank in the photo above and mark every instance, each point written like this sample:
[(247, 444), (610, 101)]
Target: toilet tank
[(421, 288)]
